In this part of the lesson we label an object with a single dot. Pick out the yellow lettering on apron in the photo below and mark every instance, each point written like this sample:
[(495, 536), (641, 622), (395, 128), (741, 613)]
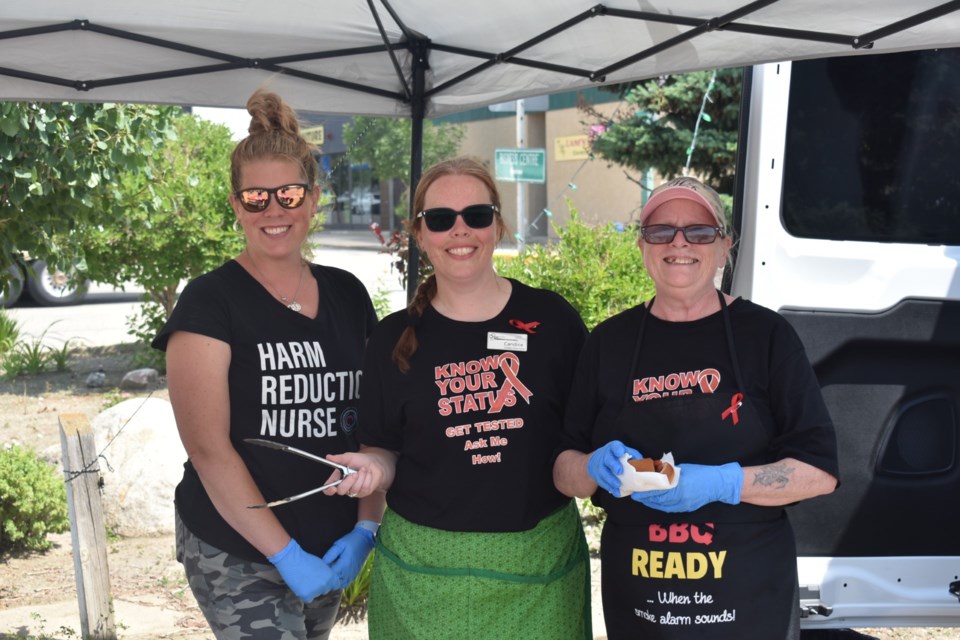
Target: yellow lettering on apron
[(690, 565), (717, 559), (640, 563), (674, 566), (656, 564), (696, 565)]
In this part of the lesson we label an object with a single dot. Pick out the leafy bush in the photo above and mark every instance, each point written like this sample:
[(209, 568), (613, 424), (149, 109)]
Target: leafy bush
[(33, 501), (599, 270), (144, 325), (9, 332), (25, 358), (353, 602)]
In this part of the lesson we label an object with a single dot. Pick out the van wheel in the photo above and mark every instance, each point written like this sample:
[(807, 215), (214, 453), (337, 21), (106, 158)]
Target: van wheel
[(51, 288), (11, 289)]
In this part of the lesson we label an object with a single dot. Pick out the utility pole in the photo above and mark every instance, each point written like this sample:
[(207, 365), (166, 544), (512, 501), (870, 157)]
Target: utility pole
[(521, 186)]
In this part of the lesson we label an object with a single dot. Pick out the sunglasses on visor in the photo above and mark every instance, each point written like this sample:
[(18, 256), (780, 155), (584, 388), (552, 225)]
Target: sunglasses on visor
[(256, 199), (694, 233), (476, 216)]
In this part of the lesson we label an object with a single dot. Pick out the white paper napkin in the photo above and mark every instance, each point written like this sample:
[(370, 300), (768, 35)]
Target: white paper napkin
[(632, 480)]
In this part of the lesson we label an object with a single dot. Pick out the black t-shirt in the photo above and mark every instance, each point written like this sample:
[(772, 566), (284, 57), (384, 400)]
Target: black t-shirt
[(292, 379), (476, 418), (776, 372)]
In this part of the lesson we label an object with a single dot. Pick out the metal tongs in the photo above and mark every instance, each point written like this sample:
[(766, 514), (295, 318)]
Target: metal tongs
[(344, 470)]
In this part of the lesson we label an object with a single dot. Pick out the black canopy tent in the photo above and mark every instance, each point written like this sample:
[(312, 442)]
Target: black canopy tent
[(422, 58)]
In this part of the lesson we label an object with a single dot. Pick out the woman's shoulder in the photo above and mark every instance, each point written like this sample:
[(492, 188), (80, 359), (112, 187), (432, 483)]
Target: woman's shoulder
[(750, 311), (335, 275), (762, 323), (213, 282), (541, 298), (619, 321)]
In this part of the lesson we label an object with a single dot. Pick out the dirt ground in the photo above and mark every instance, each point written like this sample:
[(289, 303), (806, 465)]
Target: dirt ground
[(151, 598)]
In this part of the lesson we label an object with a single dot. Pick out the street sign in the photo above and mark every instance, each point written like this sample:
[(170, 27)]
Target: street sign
[(521, 165)]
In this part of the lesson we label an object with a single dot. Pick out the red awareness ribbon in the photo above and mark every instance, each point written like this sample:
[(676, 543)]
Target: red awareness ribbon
[(509, 364), (735, 403), (529, 327)]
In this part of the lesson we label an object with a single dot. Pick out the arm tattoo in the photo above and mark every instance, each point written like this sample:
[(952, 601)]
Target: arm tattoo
[(775, 475)]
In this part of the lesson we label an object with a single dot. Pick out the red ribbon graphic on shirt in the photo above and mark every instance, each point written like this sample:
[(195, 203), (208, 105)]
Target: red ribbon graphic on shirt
[(509, 364), (529, 327), (735, 403)]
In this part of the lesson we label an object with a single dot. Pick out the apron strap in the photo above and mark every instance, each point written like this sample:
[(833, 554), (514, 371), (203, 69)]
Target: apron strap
[(728, 327), (636, 353)]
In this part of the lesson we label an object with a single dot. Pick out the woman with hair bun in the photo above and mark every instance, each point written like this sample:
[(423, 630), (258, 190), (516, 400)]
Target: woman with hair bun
[(463, 397), (269, 346)]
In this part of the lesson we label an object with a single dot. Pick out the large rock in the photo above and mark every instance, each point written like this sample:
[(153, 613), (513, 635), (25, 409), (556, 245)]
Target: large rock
[(147, 461)]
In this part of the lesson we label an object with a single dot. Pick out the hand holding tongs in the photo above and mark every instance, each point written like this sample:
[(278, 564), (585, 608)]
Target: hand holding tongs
[(344, 470)]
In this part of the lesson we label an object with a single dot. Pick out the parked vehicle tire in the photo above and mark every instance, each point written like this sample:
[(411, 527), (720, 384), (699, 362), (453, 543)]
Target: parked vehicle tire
[(14, 287), (53, 288)]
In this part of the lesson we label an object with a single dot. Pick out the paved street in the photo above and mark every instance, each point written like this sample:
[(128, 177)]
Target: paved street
[(102, 318)]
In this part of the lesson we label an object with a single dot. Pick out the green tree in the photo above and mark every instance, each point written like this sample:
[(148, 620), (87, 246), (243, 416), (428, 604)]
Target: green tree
[(60, 169), (384, 143), (656, 128), (598, 269), (181, 226)]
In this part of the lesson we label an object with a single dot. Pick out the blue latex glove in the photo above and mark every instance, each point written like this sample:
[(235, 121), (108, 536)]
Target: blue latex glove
[(604, 465), (699, 485), (347, 555), (307, 575)]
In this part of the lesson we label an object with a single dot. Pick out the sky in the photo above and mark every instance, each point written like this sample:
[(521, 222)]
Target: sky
[(236, 119)]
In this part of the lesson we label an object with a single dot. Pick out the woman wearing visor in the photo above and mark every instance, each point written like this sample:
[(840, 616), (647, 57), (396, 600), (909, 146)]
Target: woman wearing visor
[(463, 399), (725, 387), (269, 346)]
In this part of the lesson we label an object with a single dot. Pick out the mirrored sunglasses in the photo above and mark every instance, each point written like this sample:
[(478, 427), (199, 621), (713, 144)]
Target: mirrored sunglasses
[(256, 199), (476, 216), (694, 233)]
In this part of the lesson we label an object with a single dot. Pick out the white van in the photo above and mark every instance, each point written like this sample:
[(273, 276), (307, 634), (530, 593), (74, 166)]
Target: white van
[(848, 211)]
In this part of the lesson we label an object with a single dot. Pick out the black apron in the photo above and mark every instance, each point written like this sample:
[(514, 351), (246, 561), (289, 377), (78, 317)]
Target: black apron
[(722, 571)]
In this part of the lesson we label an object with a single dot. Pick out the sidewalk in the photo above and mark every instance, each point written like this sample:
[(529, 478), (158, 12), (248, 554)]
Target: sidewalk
[(354, 238)]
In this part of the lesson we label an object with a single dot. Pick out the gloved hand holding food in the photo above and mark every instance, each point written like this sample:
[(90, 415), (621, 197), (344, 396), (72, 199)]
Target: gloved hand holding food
[(604, 465), (701, 484)]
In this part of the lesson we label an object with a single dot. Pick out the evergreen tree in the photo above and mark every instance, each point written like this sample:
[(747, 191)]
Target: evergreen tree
[(656, 127)]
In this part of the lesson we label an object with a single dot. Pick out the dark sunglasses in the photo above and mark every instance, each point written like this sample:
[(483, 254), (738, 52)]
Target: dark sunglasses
[(289, 196), (694, 233), (476, 216)]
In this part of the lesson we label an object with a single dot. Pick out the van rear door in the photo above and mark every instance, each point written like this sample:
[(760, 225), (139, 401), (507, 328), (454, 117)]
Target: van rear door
[(848, 210)]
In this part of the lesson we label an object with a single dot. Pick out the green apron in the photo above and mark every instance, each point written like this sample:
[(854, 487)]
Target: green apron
[(430, 583)]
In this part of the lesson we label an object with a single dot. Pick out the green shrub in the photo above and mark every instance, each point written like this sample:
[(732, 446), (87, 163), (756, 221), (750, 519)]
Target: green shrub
[(599, 270), (353, 602), (9, 332), (25, 358), (144, 325), (33, 501)]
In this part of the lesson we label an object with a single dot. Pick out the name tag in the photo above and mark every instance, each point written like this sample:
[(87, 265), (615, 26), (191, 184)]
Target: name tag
[(507, 341)]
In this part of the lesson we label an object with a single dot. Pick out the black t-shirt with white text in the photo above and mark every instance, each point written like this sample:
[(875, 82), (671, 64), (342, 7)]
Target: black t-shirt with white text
[(477, 417), (293, 380)]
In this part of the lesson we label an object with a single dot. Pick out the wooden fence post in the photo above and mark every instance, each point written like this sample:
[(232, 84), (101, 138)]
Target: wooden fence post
[(87, 530)]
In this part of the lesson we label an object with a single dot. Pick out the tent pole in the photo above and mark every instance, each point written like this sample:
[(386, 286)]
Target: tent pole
[(417, 109)]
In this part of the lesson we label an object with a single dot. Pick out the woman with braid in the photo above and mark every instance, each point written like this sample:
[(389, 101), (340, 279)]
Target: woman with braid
[(241, 341), (462, 404)]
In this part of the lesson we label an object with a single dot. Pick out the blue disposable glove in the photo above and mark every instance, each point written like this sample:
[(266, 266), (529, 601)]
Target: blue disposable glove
[(698, 485), (347, 555), (604, 465), (307, 575)]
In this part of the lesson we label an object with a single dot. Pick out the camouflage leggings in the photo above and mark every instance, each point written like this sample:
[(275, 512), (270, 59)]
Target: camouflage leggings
[(242, 599)]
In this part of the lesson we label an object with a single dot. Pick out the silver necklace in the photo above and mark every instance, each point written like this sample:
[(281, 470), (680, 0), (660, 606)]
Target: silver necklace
[(292, 304)]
